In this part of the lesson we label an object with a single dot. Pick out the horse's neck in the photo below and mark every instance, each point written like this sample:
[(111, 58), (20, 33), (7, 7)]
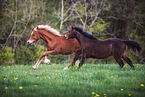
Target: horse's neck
[(47, 37), (80, 38)]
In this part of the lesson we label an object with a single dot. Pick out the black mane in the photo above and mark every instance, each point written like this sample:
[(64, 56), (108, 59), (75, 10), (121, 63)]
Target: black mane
[(79, 29)]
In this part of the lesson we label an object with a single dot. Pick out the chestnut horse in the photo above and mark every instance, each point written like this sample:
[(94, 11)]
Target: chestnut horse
[(94, 48), (55, 43)]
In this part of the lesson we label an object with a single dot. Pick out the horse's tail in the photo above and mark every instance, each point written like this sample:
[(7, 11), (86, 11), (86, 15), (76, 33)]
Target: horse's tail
[(132, 44)]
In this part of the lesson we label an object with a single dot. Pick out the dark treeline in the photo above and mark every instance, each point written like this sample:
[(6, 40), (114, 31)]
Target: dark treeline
[(124, 19)]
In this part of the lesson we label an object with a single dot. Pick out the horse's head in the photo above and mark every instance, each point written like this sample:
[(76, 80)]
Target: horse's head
[(34, 36), (71, 33)]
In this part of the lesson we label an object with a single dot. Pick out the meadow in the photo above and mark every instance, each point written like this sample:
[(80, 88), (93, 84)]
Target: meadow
[(92, 80)]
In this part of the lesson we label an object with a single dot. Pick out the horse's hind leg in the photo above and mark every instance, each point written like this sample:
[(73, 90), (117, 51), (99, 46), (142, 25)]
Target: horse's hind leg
[(128, 60), (46, 60), (119, 61), (81, 62)]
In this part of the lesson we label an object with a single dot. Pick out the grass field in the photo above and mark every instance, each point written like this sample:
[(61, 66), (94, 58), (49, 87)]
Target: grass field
[(101, 80)]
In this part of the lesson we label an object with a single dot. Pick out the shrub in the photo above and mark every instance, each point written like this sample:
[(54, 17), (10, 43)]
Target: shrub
[(6, 56)]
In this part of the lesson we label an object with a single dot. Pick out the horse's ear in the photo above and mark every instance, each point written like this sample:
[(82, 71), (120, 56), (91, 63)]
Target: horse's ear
[(37, 28), (72, 27), (33, 27)]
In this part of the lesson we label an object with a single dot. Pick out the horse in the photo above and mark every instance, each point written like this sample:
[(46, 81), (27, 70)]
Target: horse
[(55, 43), (91, 47)]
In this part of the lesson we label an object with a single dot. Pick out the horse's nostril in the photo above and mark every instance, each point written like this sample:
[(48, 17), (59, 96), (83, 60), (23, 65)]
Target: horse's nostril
[(28, 42)]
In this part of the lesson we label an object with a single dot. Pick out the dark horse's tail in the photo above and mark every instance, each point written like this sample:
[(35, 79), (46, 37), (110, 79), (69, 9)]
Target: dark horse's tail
[(132, 44)]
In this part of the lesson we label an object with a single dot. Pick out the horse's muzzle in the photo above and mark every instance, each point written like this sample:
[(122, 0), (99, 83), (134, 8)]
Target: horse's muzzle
[(66, 37), (29, 42)]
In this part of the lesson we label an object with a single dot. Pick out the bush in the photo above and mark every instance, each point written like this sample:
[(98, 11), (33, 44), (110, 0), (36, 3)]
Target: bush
[(6, 56), (24, 54)]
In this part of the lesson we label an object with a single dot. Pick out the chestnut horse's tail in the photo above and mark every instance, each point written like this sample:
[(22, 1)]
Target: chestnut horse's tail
[(132, 44)]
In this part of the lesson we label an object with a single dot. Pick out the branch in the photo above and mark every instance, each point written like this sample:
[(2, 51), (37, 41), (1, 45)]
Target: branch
[(9, 36)]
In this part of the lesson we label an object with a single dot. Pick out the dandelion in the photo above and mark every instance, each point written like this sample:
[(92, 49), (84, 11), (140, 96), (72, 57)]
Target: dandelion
[(55, 73), (105, 94), (93, 92), (4, 78), (142, 85), (16, 78), (129, 94), (35, 85), (20, 87), (53, 64), (6, 87), (3, 67), (21, 65), (97, 95), (9, 66), (121, 89)]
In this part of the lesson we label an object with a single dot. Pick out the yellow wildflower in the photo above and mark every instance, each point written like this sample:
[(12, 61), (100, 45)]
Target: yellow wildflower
[(6, 87), (4, 78), (97, 95), (93, 92), (35, 85), (55, 73), (3, 67), (16, 78), (20, 87), (105, 94), (121, 89), (142, 85), (129, 94), (9, 66)]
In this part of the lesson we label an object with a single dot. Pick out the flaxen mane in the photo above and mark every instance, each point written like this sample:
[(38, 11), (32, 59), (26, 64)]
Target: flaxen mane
[(48, 28)]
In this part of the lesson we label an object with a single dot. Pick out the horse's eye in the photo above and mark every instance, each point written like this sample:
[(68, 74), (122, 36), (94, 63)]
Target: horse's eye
[(33, 34)]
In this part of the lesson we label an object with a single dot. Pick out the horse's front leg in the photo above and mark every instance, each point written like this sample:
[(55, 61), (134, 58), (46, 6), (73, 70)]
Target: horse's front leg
[(41, 57), (75, 58), (72, 63)]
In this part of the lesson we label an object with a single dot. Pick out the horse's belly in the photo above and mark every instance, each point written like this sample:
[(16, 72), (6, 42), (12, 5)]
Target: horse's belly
[(101, 53)]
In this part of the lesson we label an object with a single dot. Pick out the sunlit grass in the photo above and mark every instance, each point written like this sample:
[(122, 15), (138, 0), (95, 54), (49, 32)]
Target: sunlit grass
[(102, 80)]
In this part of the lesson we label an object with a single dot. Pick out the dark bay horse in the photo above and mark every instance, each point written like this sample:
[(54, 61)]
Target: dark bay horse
[(93, 48), (56, 43)]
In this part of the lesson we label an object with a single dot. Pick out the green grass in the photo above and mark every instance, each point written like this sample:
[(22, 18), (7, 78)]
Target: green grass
[(105, 80)]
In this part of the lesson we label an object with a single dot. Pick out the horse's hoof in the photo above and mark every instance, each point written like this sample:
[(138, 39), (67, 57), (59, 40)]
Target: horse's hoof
[(65, 68), (47, 61), (34, 67)]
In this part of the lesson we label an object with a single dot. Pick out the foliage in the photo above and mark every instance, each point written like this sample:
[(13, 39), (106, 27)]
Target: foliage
[(6, 56), (91, 80), (25, 55)]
